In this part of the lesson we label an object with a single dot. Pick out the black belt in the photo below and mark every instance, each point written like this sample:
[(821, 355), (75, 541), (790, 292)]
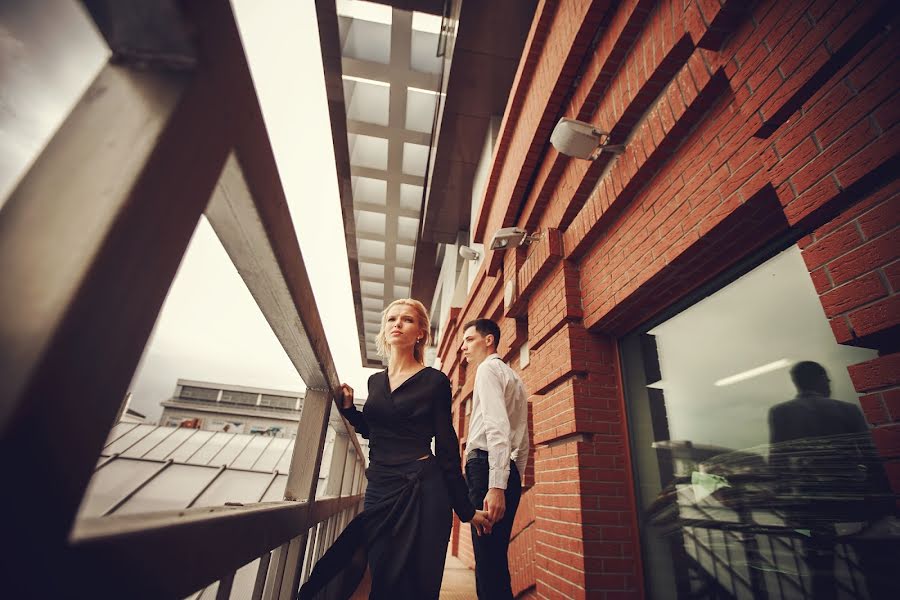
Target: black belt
[(477, 453)]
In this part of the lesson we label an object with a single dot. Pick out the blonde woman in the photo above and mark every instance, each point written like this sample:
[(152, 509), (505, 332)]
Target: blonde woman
[(403, 532)]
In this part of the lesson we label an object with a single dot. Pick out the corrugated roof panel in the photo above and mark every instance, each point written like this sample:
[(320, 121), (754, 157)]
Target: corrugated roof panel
[(209, 450), (118, 430), (275, 492), (113, 482), (251, 452), (284, 464), (268, 460), (172, 489), (170, 444), (235, 486), (191, 445), (148, 442), (129, 439), (231, 450)]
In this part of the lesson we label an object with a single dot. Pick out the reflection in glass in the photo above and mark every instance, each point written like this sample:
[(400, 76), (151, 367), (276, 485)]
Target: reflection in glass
[(754, 481)]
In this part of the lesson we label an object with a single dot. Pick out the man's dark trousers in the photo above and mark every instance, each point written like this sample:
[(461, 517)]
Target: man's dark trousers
[(491, 560)]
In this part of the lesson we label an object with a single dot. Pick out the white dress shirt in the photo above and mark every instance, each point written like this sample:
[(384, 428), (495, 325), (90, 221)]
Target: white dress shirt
[(499, 419)]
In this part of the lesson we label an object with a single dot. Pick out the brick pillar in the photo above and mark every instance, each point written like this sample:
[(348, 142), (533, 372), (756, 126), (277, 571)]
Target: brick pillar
[(853, 264)]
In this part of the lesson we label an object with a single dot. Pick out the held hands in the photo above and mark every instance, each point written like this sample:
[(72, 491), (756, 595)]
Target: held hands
[(495, 504), (481, 523), (348, 396)]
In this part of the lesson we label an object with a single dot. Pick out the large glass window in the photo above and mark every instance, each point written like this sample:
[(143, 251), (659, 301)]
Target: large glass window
[(755, 471)]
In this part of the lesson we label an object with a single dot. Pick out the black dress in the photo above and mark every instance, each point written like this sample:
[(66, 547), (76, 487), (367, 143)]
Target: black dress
[(403, 532)]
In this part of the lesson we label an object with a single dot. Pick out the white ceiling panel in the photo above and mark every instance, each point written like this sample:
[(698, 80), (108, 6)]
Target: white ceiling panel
[(368, 151)]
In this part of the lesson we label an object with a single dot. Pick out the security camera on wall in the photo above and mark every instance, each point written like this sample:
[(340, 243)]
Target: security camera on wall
[(581, 140), (468, 254), (511, 237)]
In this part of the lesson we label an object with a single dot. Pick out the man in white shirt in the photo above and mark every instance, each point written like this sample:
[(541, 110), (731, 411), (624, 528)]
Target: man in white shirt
[(496, 453)]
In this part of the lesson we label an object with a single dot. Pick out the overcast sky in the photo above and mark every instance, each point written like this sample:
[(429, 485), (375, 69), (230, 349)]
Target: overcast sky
[(210, 329)]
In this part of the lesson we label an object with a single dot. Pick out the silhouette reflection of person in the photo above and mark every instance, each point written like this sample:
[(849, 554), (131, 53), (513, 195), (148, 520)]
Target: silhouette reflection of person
[(823, 459)]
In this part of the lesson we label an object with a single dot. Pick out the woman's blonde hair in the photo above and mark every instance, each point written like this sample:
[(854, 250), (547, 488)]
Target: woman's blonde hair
[(383, 348)]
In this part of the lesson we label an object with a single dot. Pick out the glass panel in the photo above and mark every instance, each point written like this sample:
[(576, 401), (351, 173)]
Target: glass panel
[(172, 489), (373, 303), (281, 402), (112, 483), (423, 52), (404, 255), (149, 442), (371, 271), (235, 486), (245, 398), (402, 275), (415, 158), (184, 452), (371, 191), (208, 451), (367, 151), (370, 222), (420, 109), (252, 452), (129, 439), (367, 100), (407, 229), (168, 445), (365, 40), (371, 249), (372, 288), (411, 197), (199, 393), (751, 450), (272, 455)]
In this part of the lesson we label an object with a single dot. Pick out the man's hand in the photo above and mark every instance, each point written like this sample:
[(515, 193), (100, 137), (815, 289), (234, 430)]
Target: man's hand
[(495, 504), (481, 523)]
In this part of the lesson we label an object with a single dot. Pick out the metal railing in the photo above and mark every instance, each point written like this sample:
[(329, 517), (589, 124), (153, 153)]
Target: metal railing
[(90, 241)]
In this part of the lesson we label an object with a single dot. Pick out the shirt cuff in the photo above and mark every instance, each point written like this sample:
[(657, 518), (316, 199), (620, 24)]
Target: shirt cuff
[(497, 478)]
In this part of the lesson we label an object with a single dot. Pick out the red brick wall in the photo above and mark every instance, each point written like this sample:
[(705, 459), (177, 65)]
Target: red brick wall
[(743, 123)]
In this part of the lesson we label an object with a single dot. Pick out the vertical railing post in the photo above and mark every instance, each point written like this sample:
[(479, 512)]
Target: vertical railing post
[(303, 476)]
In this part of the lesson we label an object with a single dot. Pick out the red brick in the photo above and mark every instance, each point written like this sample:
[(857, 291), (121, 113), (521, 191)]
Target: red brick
[(892, 272), (876, 374), (841, 329), (874, 409), (878, 317), (881, 219), (852, 295), (825, 250), (872, 254), (891, 400)]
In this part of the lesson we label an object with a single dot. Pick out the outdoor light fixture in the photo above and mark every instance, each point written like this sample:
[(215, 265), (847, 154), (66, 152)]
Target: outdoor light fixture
[(582, 140), (468, 254), (512, 237)]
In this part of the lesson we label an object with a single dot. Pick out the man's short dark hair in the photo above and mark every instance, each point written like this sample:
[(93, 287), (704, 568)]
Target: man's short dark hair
[(485, 327), (807, 374)]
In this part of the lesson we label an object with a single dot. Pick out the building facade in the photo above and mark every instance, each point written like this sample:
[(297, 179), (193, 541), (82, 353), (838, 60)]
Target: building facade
[(749, 224), (232, 409)]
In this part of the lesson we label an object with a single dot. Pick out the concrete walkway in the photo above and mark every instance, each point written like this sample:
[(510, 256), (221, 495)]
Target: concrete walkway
[(459, 580)]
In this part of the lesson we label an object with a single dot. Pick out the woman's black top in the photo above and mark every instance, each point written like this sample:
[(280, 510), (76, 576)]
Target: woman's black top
[(400, 424)]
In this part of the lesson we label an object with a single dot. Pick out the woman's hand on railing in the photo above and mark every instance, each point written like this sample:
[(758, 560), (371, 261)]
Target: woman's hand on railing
[(482, 522), (347, 401)]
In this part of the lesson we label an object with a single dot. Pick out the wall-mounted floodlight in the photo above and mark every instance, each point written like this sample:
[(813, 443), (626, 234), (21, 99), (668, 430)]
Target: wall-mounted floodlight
[(582, 140), (512, 237), (468, 254)]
